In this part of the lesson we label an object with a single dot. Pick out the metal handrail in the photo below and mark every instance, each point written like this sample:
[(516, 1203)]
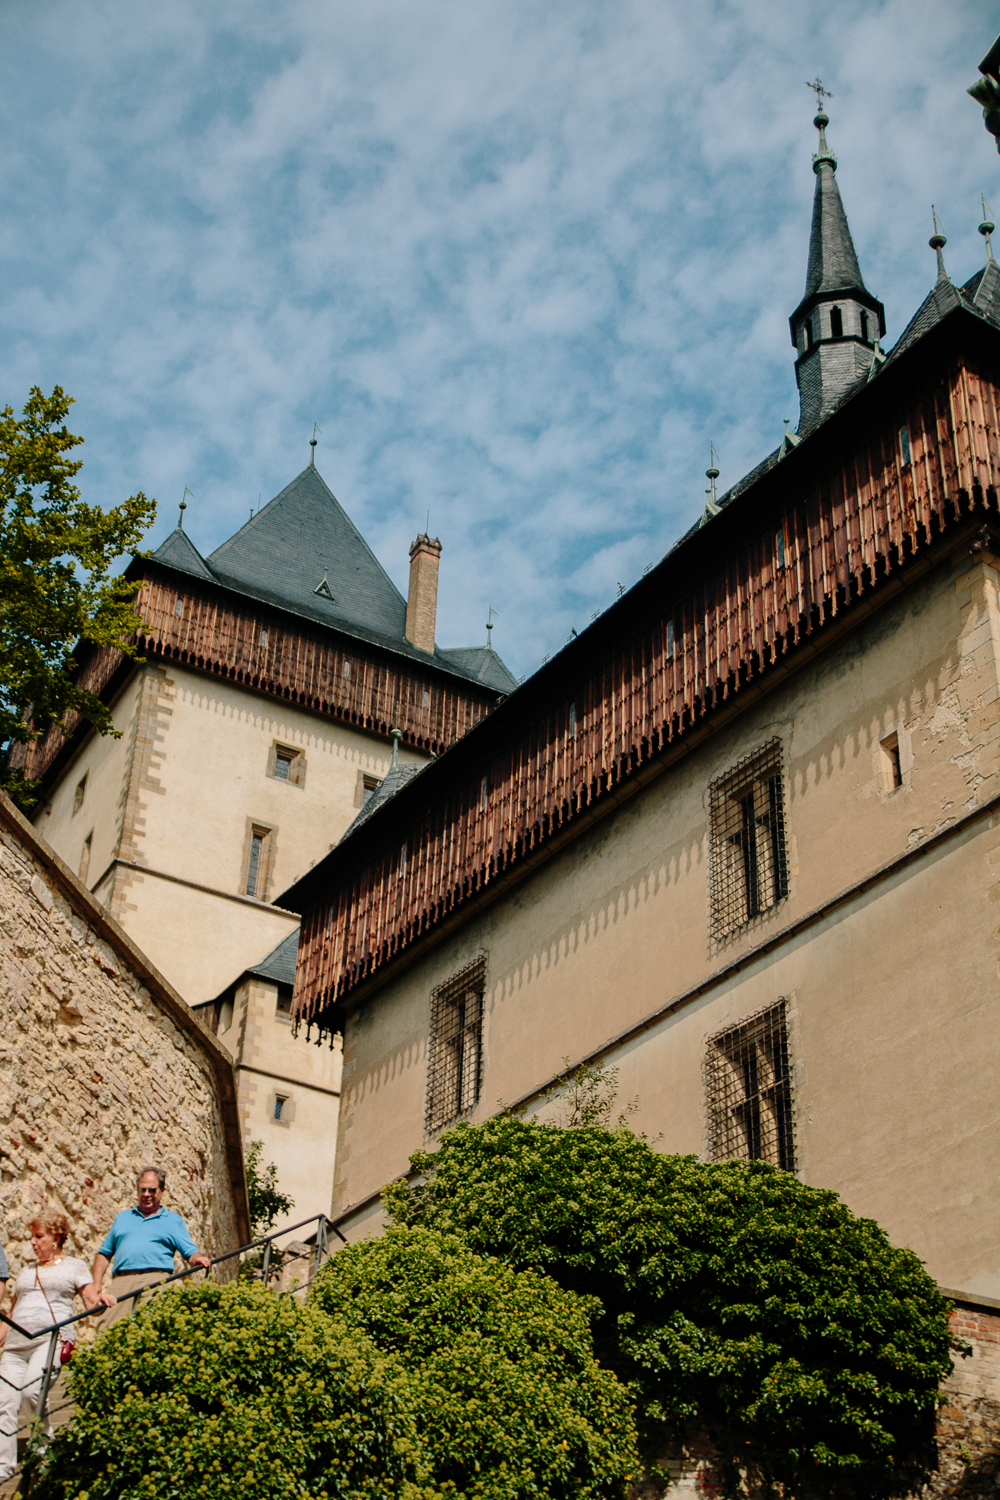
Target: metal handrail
[(323, 1226)]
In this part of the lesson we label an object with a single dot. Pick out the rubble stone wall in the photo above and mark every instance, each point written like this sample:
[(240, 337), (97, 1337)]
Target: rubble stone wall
[(103, 1069)]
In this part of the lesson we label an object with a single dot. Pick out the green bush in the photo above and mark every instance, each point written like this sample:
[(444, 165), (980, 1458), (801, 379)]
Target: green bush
[(733, 1298), (214, 1392), (512, 1405)]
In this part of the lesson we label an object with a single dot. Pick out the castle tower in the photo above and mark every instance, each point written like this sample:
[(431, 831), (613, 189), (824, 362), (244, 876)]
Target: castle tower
[(838, 323)]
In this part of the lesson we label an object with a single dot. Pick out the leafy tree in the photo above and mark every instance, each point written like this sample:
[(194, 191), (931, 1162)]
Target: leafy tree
[(266, 1202), (56, 588), (733, 1298), (214, 1392), (512, 1404)]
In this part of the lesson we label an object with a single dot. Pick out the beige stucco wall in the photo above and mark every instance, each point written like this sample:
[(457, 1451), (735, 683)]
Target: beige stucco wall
[(892, 994), (269, 1059), (174, 797), (102, 1068)]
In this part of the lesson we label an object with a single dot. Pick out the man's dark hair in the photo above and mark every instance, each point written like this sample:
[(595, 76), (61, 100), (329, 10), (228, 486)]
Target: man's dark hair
[(161, 1175)]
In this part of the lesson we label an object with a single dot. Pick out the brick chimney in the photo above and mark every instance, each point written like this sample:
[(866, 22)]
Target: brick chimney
[(421, 605)]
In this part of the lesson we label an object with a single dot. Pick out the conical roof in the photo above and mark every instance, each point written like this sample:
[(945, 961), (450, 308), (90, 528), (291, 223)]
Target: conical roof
[(303, 551), (833, 262)]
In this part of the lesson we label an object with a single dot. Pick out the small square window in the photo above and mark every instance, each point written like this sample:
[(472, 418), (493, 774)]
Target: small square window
[(286, 763), (369, 786), (283, 1005), (427, 697), (280, 1101), (80, 793), (179, 607)]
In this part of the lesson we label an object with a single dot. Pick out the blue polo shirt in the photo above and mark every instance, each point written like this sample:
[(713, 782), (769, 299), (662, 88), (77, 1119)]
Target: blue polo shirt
[(140, 1242)]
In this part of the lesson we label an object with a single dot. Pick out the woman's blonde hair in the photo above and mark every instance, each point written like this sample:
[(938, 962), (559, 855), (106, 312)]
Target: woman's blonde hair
[(56, 1224)]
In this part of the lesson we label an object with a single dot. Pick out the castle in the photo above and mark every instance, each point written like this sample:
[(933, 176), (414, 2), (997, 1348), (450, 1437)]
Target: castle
[(284, 679)]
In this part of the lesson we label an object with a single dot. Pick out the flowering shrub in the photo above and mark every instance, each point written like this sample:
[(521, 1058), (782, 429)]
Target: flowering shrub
[(733, 1298)]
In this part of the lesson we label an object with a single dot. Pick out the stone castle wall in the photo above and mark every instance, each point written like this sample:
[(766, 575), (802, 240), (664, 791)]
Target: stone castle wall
[(103, 1069)]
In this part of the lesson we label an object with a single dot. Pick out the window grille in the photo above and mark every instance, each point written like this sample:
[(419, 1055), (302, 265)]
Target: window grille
[(749, 863), (454, 1056), (749, 1093), (282, 765), (253, 869)]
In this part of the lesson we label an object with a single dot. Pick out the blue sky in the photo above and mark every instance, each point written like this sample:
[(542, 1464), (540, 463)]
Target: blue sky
[(520, 262)]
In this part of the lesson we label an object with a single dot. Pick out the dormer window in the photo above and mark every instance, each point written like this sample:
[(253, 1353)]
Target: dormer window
[(836, 323)]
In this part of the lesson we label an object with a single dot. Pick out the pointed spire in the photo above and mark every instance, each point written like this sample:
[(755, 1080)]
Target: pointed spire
[(833, 261), (986, 228), (937, 243)]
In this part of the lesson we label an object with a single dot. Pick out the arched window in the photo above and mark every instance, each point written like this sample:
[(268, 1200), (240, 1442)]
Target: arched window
[(836, 323), (864, 328)]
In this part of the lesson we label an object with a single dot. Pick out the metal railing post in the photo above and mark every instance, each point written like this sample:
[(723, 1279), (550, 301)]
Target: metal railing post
[(266, 1268), (320, 1243), (43, 1393)]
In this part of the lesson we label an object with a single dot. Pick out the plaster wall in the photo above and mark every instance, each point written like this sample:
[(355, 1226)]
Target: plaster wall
[(892, 994), (103, 760), (270, 1062)]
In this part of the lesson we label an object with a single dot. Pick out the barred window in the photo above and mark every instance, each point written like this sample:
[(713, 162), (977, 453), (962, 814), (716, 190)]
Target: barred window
[(749, 864), (749, 1092), (454, 1059)]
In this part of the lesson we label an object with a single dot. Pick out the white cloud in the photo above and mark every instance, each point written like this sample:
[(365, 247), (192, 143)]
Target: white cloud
[(520, 262)]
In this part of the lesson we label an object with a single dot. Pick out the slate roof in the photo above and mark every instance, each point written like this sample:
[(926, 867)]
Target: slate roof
[(980, 294), (178, 551), (395, 778), (833, 262), (299, 538), (279, 965), (482, 664), (303, 541)]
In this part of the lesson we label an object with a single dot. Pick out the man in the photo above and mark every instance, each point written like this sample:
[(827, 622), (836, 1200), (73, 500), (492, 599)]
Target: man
[(142, 1242)]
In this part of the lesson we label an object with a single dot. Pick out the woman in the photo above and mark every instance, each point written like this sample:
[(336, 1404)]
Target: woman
[(43, 1295)]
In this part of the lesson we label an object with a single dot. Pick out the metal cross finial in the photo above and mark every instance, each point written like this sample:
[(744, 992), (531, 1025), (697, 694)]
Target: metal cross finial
[(180, 518), (820, 92), (312, 444), (712, 472), (489, 628)]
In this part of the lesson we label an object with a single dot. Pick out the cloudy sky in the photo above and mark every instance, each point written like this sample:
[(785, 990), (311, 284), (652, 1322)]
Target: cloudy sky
[(519, 261)]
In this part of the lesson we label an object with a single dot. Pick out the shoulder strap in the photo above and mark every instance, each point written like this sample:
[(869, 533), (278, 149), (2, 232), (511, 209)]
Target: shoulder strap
[(44, 1293)]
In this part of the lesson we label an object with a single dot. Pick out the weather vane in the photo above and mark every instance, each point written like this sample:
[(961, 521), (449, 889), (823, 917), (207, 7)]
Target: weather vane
[(820, 92), (180, 518), (489, 629), (312, 444)]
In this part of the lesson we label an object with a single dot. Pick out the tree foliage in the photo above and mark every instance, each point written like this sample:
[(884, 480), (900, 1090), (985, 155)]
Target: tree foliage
[(733, 1298), (265, 1200), (512, 1404), (213, 1393), (56, 554)]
